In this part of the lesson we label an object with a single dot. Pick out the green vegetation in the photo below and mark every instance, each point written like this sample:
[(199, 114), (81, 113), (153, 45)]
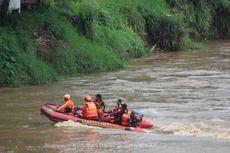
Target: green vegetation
[(82, 36), (204, 19)]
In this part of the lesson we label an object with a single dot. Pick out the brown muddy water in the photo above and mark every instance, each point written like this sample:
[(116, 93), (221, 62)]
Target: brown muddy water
[(186, 94)]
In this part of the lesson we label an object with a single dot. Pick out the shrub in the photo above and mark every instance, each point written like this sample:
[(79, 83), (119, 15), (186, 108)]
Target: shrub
[(18, 61), (9, 68), (48, 3), (221, 19), (166, 32)]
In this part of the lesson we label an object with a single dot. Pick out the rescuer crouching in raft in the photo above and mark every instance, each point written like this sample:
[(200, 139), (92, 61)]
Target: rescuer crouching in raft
[(68, 107), (100, 106), (119, 111), (131, 119), (124, 117), (90, 109)]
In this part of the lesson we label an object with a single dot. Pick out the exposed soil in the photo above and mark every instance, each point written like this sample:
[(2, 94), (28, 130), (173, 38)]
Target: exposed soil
[(45, 42)]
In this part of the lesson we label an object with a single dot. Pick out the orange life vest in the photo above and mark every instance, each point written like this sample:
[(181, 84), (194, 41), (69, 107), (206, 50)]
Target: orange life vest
[(68, 105), (125, 119), (90, 111)]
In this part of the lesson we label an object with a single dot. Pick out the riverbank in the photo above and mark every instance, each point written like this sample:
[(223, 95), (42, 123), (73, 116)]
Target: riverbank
[(44, 43)]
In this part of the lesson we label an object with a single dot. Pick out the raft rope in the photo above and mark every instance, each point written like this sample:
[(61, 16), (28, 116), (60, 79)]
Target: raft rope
[(103, 125)]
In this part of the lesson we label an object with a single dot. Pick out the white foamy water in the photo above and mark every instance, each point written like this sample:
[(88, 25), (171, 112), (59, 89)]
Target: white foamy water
[(70, 123), (195, 129)]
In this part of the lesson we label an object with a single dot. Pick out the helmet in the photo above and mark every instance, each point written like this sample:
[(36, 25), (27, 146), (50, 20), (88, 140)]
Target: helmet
[(88, 98), (67, 96)]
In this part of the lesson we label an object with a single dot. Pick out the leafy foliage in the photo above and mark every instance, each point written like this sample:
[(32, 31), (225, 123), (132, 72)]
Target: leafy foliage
[(204, 19), (82, 36)]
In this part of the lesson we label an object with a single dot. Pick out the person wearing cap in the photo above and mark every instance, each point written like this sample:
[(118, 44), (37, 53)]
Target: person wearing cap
[(120, 110), (100, 106), (68, 106), (90, 109)]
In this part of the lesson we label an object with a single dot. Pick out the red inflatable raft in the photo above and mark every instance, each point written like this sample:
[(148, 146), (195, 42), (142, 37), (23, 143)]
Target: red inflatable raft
[(50, 111)]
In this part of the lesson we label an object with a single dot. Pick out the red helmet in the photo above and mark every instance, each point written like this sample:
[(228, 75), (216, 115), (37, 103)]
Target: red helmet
[(88, 98)]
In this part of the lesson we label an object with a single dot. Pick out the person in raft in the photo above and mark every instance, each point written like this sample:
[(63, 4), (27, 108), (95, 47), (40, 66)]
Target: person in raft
[(100, 106), (90, 109), (120, 110), (68, 107)]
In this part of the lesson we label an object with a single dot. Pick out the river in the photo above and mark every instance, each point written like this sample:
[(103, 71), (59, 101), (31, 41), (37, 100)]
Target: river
[(186, 94)]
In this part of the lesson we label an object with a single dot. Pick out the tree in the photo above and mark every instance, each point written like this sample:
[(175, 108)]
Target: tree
[(3, 10)]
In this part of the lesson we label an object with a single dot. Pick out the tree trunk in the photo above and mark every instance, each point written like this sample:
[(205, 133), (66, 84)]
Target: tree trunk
[(3, 11)]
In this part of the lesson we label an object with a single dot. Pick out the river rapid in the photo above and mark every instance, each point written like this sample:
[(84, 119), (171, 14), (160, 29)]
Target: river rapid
[(185, 94)]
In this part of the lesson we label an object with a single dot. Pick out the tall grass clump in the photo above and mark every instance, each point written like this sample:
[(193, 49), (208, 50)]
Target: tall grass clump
[(167, 33), (9, 68), (162, 29), (188, 43), (18, 62), (206, 19), (79, 54), (221, 18), (103, 24)]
